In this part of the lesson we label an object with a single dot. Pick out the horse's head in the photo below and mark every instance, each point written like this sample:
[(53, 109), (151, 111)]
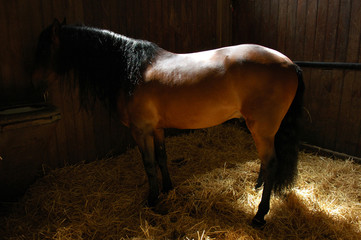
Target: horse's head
[(47, 55)]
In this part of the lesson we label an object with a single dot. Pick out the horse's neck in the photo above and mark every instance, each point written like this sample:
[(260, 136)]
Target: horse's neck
[(105, 62)]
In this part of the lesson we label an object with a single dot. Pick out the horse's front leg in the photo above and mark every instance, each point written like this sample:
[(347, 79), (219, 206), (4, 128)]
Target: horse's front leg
[(161, 159), (145, 142), (259, 179)]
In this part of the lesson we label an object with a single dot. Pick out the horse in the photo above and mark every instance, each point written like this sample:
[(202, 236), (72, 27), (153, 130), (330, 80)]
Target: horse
[(152, 89)]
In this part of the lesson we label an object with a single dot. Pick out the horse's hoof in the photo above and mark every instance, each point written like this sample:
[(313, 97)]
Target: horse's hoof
[(151, 202), (258, 223), (161, 209), (167, 189), (258, 185)]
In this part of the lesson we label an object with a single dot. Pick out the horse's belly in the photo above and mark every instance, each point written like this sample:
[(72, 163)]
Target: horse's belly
[(195, 116), (201, 105)]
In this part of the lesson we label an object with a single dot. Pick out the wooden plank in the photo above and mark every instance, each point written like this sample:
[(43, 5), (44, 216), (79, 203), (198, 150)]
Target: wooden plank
[(219, 23), (186, 23), (262, 9), (26, 43), (137, 19), (243, 26), (356, 107), (331, 81), (105, 14), (349, 127), (172, 24), (320, 30), (74, 11), (166, 18), (272, 25), (56, 98), (250, 13), (4, 79), (310, 103), (177, 24), (206, 10), (332, 87), (80, 130), (58, 11), (354, 32), (69, 121), (311, 18), (348, 132), (114, 16), (144, 19), (300, 30), (102, 130), (291, 29), (158, 25), (328, 153), (120, 17), (343, 30), (211, 21), (329, 46), (152, 24), (88, 131), (46, 14), (282, 25), (257, 22), (265, 20), (223, 22), (12, 46), (198, 32)]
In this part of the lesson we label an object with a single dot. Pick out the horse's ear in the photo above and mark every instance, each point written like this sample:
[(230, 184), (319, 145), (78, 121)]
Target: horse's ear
[(55, 31), (64, 22)]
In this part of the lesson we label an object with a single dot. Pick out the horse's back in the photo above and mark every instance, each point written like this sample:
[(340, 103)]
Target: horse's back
[(178, 69)]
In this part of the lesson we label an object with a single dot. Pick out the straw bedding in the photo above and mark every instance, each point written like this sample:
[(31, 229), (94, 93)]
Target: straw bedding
[(214, 172)]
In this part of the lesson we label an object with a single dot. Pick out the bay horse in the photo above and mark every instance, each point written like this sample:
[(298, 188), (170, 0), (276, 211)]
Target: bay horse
[(152, 89)]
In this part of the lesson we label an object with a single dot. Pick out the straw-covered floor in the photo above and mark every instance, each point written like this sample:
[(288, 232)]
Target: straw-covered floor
[(214, 172)]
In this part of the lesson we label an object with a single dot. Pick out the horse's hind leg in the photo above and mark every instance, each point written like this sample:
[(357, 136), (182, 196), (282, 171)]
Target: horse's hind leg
[(266, 152), (161, 159)]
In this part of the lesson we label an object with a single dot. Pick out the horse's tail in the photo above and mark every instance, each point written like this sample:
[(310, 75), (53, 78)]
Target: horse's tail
[(287, 140)]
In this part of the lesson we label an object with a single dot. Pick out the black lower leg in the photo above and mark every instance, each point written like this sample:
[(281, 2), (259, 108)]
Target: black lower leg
[(151, 171), (161, 159), (259, 179), (264, 206), (145, 142)]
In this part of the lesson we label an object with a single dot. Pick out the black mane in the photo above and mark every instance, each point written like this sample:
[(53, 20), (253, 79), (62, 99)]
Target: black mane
[(104, 62)]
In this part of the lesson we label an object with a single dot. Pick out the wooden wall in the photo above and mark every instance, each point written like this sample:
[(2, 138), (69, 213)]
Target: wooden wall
[(180, 26), (314, 30)]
